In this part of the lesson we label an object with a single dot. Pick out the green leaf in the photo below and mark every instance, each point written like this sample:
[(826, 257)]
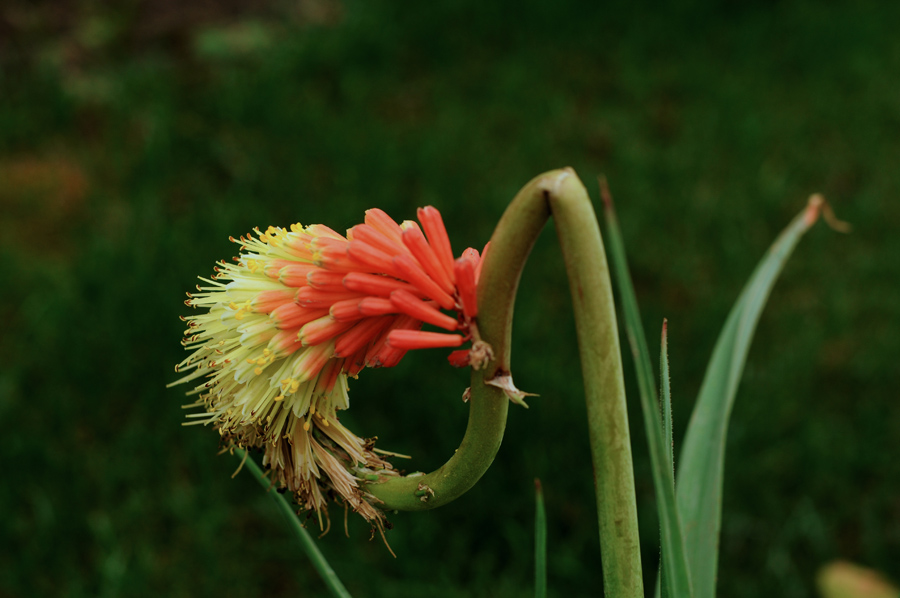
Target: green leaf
[(666, 392), (330, 578), (676, 573), (540, 543), (700, 468)]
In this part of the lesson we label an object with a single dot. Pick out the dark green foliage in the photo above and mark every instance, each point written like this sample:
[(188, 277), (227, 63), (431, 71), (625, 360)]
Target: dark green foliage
[(713, 120)]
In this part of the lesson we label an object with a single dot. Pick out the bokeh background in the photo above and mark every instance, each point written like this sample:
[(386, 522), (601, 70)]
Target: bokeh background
[(136, 136)]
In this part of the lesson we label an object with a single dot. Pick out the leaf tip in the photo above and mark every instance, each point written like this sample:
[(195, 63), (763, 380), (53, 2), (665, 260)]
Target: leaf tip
[(818, 205), (605, 194)]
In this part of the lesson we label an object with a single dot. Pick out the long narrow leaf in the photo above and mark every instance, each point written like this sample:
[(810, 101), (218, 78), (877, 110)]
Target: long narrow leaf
[(676, 572), (700, 468), (666, 392), (666, 395), (540, 543), (330, 578)]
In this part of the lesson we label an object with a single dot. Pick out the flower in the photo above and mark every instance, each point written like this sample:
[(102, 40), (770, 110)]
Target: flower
[(299, 311)]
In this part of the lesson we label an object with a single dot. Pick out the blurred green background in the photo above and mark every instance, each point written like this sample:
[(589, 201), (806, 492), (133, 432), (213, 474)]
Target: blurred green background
[(136, 137)]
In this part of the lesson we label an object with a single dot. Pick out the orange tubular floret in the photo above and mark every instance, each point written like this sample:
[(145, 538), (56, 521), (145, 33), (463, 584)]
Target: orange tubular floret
[(329, 375), (273, 267), (374, 284), (437, 237), (320, 232), (481, 261), (418, 339), (325, 280), (376, 259), (356, 362), (314, 298), (471, 253), (360, 335), (376, 306), (313, 360), (418, 309), (415, 241), (328, 243), (380, 352), (372, 236), (389, 356), (465, 280), (293, 316), (268, 301), (384, 224), (344, 264), (411, 271), (328, 248), (459, 358), (285, 342), (298, 244), (346, 310), (321, 330), (332, 254), (294, 275)]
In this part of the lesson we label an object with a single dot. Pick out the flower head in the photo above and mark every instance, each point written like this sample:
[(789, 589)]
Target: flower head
[(299, 311)]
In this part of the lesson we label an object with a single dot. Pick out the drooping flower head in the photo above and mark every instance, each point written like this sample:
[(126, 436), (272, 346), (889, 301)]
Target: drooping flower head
[(299, 311)]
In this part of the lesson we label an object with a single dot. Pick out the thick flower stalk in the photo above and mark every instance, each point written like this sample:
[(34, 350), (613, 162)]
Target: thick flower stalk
[(298, 312)]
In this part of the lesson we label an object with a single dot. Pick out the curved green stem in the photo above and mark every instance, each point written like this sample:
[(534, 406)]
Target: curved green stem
[(604, 385), (487, 421), (561, 194)]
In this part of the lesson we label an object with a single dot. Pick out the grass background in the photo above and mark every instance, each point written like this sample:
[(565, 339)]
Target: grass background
[(136, 137)]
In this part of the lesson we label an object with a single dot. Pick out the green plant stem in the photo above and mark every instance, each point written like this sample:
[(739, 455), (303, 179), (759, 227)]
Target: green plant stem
[(476, 452), (561, 194), (330, 578), (601, 363)]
